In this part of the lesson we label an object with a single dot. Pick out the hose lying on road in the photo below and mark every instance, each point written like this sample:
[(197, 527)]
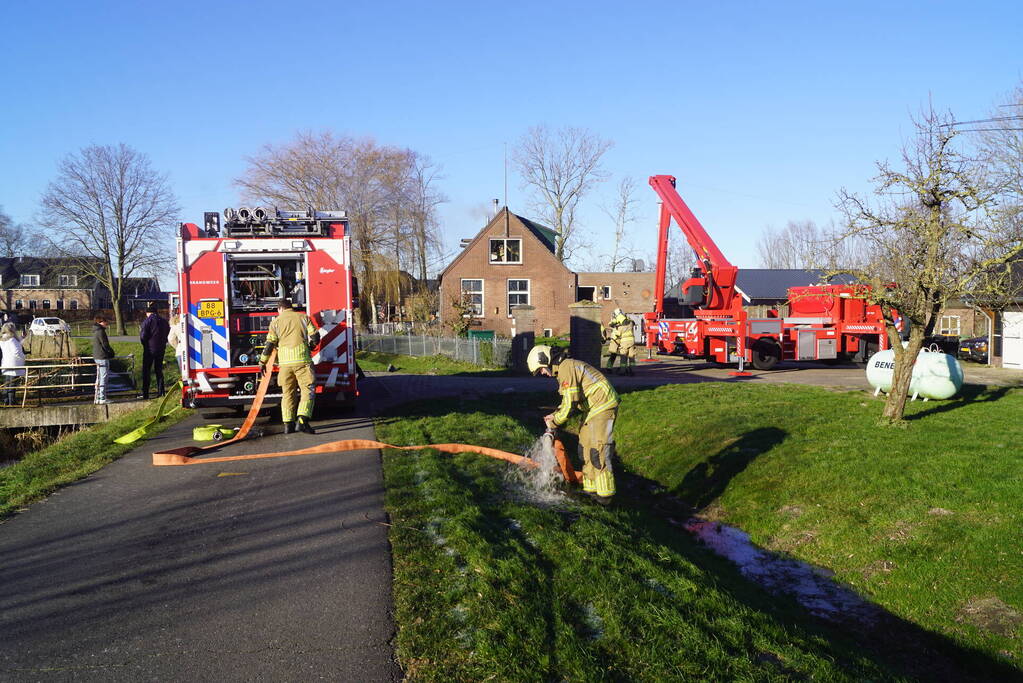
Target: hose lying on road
[(183, 455)]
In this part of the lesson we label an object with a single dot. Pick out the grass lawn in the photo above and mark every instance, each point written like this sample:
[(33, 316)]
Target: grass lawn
[(375, 361), (924, 521)]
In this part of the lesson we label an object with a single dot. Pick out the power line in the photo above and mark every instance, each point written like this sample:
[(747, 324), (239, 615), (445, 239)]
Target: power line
[(997, 118)]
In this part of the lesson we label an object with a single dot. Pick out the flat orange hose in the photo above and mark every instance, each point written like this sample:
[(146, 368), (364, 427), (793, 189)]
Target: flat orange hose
[(183, 455)]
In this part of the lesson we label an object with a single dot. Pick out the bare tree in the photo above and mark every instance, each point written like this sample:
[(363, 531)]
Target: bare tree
[(804, 245), (932, 236), (1000, 140), (111, 214), (622, 212), (13, 239), (388, 192), (561, 167)]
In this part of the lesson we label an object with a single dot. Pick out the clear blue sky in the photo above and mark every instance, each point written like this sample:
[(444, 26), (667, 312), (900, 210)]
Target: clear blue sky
[(762, 110)]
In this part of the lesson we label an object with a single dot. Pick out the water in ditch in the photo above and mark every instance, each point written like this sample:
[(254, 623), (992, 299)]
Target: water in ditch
[(811, 586)]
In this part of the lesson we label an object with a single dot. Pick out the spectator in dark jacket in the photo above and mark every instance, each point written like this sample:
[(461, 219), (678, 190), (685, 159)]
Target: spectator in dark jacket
[(153, 335), (102, 352)]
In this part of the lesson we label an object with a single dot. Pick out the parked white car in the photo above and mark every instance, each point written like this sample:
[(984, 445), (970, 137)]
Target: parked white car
[(49, 326)]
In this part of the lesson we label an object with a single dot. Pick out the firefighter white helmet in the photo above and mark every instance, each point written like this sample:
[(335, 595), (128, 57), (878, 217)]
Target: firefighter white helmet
[(539, 357), (616, 312)]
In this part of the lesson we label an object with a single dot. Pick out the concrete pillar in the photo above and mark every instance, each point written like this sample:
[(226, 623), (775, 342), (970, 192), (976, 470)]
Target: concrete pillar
[(523, 335), (585, 330)]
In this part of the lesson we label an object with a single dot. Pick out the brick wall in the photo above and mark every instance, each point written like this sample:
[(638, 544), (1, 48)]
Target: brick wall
[(551, 284), (10, 297), (632, 292)]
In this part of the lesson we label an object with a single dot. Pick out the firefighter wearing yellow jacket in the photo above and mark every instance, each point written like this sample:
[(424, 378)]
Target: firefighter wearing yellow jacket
[(621, 342), (581, 385), (294, 335)]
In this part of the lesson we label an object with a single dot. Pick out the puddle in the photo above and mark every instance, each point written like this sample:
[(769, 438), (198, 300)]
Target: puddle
[(541, 486), (812, 587)]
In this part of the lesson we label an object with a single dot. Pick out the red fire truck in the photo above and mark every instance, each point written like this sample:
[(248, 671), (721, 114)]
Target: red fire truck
[(232, 276), (825, 322)]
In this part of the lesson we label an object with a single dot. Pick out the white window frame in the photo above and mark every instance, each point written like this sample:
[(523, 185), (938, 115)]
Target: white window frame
[(482, 292), (19, 304), (605, 292), (67, 280), (946, 328), (32, 304), (29, 280), (490, 250), (73, 305), (46, 304), (548, 332), (509, 293)]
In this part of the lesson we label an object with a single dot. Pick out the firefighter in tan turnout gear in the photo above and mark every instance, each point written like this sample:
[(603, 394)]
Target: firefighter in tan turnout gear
[(621, 342), (583, 387), (294, 335)]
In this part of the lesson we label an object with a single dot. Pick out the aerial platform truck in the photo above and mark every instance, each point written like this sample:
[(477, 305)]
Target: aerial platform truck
[(825, 322), (232, 276)]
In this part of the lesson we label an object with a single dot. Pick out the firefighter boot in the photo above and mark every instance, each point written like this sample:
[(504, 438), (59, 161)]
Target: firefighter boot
[(629, 367), (289, 427), (611, 363), (304, 426)]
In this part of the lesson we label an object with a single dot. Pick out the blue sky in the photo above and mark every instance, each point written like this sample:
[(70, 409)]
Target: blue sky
[(762, 110)]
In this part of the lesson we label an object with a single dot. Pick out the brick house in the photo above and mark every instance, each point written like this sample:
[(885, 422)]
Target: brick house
[(33, 285), (632, 292), (510, 261)]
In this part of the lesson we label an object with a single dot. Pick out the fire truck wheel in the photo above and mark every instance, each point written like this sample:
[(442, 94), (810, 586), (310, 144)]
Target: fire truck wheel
[(765, 354)]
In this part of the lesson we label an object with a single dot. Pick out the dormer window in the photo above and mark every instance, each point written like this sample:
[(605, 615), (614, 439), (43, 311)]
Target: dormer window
[(506, 250), (29, 280), (67, 280)]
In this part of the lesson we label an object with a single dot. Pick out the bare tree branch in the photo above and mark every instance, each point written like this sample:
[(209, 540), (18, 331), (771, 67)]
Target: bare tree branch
[(111, 214)]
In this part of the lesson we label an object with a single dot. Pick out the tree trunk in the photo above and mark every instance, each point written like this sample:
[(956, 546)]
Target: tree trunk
[(902, 375), (119, 319)]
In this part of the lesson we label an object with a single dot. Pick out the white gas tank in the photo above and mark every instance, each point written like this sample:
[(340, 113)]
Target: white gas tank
[(935, 374)]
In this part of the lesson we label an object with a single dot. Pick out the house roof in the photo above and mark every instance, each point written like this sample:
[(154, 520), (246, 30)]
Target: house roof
[(543, 234), (772, 284), (48, 269)]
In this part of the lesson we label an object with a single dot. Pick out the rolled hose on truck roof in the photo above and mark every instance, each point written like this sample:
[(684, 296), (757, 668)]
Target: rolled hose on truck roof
[(186, 454)]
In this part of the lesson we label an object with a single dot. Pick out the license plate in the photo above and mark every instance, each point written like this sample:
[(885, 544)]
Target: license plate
[(211, 309)]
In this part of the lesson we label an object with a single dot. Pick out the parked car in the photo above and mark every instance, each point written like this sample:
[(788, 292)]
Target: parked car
[(49, 326), (974, 348)]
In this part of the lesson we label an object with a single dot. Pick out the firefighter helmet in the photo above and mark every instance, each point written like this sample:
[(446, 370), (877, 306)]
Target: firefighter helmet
[(542, 356)]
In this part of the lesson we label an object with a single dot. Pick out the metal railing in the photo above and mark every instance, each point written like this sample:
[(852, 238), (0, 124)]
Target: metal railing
[(56, 378), (493, 353)]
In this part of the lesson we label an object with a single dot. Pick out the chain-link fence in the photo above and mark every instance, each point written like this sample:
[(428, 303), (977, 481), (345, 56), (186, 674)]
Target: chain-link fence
[(492, 353)]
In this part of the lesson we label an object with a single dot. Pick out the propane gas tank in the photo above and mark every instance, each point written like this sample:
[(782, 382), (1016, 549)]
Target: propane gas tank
[(935, 375)]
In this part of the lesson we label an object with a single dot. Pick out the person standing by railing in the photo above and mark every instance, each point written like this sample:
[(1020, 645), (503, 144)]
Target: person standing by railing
[(12, 362), (153, 335), (102, 353)]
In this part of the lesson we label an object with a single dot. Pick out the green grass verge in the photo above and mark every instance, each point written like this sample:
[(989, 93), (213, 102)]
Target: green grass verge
[(490, 586), (73, 457), (375, 361)]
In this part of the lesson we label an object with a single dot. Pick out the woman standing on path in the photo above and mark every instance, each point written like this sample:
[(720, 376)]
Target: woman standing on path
[(13, 359), (102, 352)]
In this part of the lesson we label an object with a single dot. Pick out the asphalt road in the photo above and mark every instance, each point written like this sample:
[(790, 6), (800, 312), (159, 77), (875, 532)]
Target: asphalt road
[(262, 570)]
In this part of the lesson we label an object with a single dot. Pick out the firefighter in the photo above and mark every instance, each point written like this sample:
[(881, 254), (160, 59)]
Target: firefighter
[(580, 384), (622, 342), (294, 335)]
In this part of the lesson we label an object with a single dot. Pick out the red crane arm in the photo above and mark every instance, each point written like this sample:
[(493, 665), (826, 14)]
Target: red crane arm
[(719, 273)]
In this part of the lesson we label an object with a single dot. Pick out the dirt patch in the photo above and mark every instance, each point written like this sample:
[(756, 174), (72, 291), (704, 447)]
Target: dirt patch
[(788, 543), (790, 511), (991, 614), (878, 567), (940, 512), (902, 531)]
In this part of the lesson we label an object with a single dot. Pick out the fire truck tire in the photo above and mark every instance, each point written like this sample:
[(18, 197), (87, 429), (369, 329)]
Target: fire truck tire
[(765, 354)]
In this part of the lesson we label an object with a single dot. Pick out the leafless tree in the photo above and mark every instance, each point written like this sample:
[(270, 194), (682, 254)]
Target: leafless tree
[(13, 239), (1000, 140), (804, 245), (561, 167), (932, 236), (622, 212), (111, 214), (389, 193)]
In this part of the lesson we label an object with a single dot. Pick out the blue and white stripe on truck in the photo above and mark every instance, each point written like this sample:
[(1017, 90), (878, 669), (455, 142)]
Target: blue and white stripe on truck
[(218, 336)]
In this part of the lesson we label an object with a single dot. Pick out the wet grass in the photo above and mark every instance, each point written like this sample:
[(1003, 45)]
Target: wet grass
[(489, 586), (374, 361)]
